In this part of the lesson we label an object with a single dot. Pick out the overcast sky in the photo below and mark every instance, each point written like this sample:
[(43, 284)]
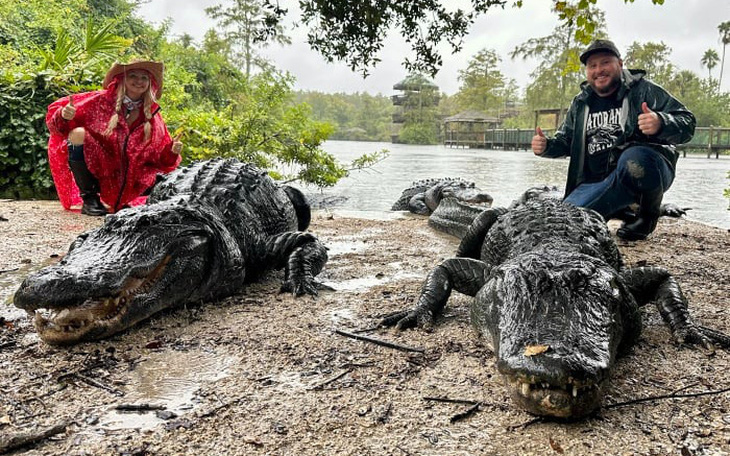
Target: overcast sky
[(688, 27)]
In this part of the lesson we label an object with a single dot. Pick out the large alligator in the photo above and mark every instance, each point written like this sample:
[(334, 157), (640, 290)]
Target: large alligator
[(424, 196), (555, 301), (204, 232)]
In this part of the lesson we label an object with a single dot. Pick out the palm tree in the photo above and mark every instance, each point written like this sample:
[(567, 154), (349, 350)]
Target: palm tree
[(724, 29), (709, 61)]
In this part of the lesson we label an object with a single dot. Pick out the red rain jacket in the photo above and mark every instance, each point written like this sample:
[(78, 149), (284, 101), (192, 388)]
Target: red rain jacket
[(123, 162)]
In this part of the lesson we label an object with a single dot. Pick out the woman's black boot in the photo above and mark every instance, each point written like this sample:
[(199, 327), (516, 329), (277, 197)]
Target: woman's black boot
[(89, 188)]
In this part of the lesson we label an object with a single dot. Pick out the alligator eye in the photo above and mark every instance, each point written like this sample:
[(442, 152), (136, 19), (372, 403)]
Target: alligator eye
[(78, 241)]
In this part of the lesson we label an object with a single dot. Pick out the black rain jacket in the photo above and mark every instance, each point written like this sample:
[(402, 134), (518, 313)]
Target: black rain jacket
[(678, 125)]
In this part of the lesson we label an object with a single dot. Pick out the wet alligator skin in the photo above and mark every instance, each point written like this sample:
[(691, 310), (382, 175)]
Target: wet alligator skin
[(554, 300), (204, 232)]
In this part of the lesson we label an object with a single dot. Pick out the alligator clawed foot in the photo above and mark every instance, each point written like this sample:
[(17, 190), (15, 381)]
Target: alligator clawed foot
[(407, 319), (708, 338), (304, 287)]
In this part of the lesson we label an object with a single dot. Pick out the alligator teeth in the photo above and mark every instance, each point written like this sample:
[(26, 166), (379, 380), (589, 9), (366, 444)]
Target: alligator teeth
[(525, 389)]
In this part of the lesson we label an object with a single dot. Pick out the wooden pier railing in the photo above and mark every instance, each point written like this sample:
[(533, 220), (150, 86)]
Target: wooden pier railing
[(712, 140)]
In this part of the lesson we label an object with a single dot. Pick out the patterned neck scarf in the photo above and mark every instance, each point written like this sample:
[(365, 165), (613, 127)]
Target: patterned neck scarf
[(130, 105)]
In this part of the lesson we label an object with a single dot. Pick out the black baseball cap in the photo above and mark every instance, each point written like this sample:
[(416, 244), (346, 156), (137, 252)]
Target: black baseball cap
[(599, 46)]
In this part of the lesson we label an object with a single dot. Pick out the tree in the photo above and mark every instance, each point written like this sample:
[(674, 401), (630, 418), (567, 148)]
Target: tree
[(653, 58), (246, 21), (354, 31), (559, 73), (724, 29), (483, 86), (709, 60)]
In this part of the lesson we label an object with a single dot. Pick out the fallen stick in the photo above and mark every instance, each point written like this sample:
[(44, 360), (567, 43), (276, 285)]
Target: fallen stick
[(92, 382), (450, 401), (22, 439), (465, 414), (139, 407), (332, 380), (383, 343)]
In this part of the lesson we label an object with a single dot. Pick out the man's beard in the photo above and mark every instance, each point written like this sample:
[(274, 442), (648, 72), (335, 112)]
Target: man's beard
[(610, 88)]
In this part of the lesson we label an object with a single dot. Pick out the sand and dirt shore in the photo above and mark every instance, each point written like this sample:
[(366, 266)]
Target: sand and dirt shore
[(265, 373)]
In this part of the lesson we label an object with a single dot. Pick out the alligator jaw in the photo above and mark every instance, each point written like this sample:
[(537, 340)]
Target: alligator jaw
[(95, 317), (571, 400)]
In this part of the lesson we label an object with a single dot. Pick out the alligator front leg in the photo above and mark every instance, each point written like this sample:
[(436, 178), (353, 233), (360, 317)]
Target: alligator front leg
[(656, 284), (471, 243), (302, 255), (464, 275)]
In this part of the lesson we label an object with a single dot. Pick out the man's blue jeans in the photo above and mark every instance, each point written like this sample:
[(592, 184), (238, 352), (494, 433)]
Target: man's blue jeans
[(640, 170)]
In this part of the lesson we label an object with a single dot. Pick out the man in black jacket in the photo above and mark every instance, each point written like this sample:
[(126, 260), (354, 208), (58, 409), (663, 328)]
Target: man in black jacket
[(620, 133)]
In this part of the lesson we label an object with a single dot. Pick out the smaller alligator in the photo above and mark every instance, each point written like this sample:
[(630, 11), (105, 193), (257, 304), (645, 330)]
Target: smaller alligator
[(424, 196), (205, 231), (554, 300)]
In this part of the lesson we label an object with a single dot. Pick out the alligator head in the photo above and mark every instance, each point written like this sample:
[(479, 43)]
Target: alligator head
[(556, 328), (462, 191), (149, 259)]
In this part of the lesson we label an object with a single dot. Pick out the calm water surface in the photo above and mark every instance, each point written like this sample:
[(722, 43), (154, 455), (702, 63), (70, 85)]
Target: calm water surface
[(505, 174)]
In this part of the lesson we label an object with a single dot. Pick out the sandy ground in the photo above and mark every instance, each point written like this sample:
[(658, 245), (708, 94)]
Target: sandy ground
[(265, 373)]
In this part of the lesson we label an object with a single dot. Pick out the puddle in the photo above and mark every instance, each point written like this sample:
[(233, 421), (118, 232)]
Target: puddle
[(345, 246), (9, 283), (337, 316), (170, 379), (364, 283)]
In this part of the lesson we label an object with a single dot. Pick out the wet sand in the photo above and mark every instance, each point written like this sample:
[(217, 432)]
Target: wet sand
[(266, 373)]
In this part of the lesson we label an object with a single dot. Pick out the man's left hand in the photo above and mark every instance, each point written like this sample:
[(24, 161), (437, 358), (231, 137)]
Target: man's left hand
[(649, 122)]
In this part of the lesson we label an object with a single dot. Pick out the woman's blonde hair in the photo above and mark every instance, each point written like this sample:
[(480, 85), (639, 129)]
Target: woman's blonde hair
[(148, 97)]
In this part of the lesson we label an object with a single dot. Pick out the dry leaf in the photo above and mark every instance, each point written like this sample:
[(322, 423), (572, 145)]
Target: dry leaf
[(553, 444), (532, 350), (5, 419)]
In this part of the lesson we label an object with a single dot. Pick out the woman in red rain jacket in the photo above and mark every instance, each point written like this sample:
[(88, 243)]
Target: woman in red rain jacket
[(112, 141)]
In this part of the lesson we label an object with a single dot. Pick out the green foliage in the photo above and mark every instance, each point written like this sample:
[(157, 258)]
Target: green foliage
[(356, 117), (245, 23), (24, 170), (484, 88), (67, 47), (354, 31), (418, 133)]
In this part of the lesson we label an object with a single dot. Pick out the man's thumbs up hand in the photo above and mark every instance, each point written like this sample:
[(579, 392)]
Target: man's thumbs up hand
[(539, 142), (69, 111), (649, 122)]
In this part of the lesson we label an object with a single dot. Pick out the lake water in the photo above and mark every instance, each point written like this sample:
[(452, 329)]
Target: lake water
[(506, 174)]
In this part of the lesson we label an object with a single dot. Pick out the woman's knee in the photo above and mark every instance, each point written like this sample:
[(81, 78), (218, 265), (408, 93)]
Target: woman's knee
[(76, 136)]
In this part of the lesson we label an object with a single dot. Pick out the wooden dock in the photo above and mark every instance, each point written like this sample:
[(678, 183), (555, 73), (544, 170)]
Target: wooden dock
[(712, 140)]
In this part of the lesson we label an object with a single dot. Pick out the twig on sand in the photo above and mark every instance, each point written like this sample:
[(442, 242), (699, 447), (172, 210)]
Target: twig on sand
[(95, 383), (665, 396), (466, 413), (515, 427), (383, 343), (331, 380), (474, 406), (13, 442), (451, 401), (139, 407)]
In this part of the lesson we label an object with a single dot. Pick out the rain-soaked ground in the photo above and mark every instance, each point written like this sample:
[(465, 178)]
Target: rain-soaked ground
[(266, 373)]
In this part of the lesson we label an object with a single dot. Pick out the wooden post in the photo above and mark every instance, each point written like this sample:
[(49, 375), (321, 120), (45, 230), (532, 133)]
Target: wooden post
[(709, 143)]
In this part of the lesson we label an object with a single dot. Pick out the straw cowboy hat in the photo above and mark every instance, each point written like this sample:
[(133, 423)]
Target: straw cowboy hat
[(155, 69)]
